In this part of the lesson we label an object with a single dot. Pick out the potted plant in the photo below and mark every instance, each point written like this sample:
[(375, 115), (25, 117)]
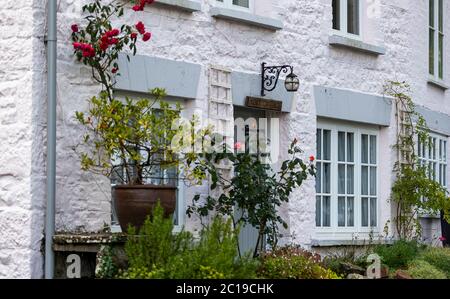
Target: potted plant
[(127, 139)]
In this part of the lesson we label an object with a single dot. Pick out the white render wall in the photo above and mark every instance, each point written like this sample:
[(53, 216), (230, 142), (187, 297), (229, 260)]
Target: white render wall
[(22, 168), (83, 200)]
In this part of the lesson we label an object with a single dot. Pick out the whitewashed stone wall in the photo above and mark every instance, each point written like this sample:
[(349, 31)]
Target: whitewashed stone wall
[(83, 200)]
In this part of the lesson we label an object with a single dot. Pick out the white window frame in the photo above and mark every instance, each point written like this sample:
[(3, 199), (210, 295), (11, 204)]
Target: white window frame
[(343, 25), (348, 233), (439, 157), (229, 4), (437, 33)]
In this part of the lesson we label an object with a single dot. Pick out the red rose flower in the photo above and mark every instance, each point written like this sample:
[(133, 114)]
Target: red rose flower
[(113, 41), (146, 36), (74, 28), (442, 239), (312, 158), (133, 35), (140, 27), (237, 146), (114, 70), (114, 32), (76, 45), (137, 8), (104, 46)]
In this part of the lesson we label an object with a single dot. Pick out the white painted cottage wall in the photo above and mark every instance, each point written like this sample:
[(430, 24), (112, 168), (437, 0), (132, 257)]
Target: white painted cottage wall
[(83, 201)]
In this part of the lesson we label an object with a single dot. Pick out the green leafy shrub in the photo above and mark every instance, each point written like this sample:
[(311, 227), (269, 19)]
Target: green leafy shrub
[(155, 244), (158, 253), (399, 254), (106, 267), (420, 269), (293, 263), (214, 255), (439, 258)]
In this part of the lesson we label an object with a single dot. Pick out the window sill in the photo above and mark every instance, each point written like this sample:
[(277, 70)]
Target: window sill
[(246, 18), (184, 5), (438, 83), (427, 215), (355, 44), (335, 243)]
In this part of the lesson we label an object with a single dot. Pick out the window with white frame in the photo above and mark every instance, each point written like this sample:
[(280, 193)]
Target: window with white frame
[(433, 154), (347, 16), (237, 4), (436, 39), (347, 178)]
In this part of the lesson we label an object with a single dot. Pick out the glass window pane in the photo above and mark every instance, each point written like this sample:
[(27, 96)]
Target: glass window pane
[(444, 176), (364, 212), (441, 15), (341, 146), (327, 145), (431, 15), (353, 16), (433, 147), (336, 14), (350, 211), (424, 152), (350, 147), (326, 211), (434, 171), (430, 147), (319, 144), (364, 149), (373, 212), (341, 179), (350, 179), (318, 210), (419, 147), (431, 52), (441, 147), (326, 178), (441, 56), (373, 149), (441, 177), (319, 178), (243, 3), (445, 150), (365, 180), (373, 181), (341, 211)]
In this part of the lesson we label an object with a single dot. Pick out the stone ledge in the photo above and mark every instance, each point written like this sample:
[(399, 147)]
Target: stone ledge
[(185, 5), (346, 42), (86, 242), (438, 83), (246, 18)]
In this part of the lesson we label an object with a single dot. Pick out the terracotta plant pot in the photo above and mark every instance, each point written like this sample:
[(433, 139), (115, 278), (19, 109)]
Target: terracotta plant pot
[(134, 203)]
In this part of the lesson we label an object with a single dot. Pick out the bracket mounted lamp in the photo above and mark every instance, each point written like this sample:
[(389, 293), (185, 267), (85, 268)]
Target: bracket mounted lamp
[(271, 74)]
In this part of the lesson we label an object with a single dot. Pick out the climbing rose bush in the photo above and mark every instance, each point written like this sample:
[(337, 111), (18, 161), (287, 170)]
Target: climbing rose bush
[(97, 43)]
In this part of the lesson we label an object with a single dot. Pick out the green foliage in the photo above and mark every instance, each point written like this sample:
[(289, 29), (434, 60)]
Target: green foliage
[(293, 263), (414, 182), (129, 133), (439, 258), (255, 189), (399, 254), (158, 253), (155, 244), (107, 269), (420, 269), (213, 255)]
